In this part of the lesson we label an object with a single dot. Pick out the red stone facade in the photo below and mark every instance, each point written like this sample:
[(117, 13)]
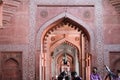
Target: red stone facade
[(35, 35)]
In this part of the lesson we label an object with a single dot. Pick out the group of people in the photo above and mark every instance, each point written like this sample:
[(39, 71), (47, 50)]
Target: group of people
[(65, 76), (93, 76)]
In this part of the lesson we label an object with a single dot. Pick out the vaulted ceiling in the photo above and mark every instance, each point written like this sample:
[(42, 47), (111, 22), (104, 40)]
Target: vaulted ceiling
[(116, 4)]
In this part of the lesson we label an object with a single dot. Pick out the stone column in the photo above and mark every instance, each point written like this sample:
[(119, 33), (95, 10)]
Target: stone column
[(83, 55), (76, 63), (99, 35), (40, 66), (31, 44)]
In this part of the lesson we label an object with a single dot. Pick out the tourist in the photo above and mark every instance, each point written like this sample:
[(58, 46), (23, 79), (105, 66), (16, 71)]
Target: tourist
[(94, 75)]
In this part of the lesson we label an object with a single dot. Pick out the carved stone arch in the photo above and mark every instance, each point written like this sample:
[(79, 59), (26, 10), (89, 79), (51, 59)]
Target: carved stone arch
[(44, 42), (11, 60), (61, 42), (69, 50), (62, 15), (58, 60), (70, 59), (11, 70), (60, 55), (65, 22)]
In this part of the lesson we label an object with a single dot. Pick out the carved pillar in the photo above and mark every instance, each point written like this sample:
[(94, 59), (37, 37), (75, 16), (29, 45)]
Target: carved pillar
[(44, 67), (31, 38), (83, 55), (37, 64), (53, 67), (99, 35), (76, 63), (88, 66), (40, 66)]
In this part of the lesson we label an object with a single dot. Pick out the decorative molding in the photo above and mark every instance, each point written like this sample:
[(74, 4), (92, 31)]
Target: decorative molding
[(107, 50), (31, 44), (87, 14), (99, 35), (44, 13), (65, 5), (62, 15), (24, 50), (64, 2)]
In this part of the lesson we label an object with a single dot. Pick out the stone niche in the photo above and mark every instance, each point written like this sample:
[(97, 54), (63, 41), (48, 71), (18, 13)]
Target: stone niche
[(114, 58), (11, 66)]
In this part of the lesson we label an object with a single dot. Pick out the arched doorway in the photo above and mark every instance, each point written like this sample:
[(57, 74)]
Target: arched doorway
[(64, 58), (77, 40), (11, 70)]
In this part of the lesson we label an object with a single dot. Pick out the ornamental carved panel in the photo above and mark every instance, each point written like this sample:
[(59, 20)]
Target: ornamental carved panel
[(11, 64), (114, 60)]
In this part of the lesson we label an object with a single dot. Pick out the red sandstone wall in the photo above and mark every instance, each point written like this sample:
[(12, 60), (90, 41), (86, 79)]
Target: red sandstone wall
[(15, 23), (111, 24), (45, 14), (114, 63)]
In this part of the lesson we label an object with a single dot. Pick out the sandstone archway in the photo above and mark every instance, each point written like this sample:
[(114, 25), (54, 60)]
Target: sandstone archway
[(64, 30)]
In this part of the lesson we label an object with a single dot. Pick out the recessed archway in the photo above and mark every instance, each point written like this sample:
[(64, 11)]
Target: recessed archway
[(11, 70), (63, 30), (62, 15)]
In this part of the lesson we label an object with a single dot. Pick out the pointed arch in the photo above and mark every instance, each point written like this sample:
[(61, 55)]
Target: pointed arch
[(68, 45), (62, 15), (11, 60), (61, 42)]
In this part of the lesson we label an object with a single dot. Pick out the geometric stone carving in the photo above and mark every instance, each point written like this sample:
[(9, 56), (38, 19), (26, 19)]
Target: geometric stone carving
[(44, 13), (77, 38), (52, 38), (87, 14)]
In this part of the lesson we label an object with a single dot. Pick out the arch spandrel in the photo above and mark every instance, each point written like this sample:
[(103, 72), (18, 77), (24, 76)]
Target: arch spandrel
[(62, 15), (47, 45), (71, 49)]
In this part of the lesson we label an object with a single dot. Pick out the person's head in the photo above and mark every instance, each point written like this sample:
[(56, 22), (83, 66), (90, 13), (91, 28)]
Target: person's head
[(95, 69), (63, 73), (118, 72), (74, 74)]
